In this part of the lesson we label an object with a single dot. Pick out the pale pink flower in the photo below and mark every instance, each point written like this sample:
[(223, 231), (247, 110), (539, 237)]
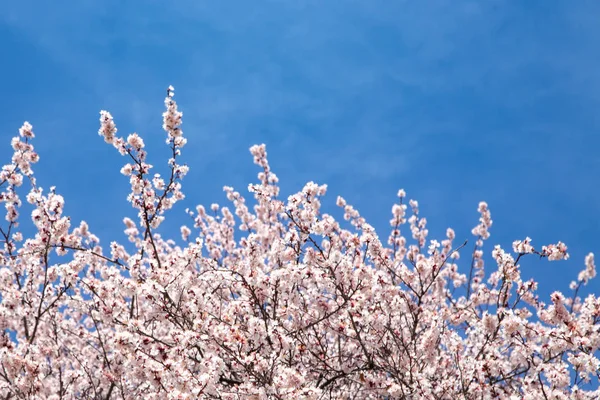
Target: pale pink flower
[(555, 251), (523, 246), (135, 141), (26, 130), (590, 269), (107, 127)]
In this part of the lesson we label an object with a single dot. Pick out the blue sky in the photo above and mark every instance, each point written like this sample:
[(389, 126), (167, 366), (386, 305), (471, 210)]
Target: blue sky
[(455, 101)]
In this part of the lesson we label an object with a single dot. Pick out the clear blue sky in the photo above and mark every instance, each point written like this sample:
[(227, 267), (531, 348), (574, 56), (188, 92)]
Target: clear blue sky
[(455, 101)]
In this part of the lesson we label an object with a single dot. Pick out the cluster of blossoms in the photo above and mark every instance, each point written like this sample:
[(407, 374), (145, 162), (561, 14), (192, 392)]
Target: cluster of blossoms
[(277, 300)]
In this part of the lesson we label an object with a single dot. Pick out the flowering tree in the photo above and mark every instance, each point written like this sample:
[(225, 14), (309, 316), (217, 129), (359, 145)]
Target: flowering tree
[(279, 301)]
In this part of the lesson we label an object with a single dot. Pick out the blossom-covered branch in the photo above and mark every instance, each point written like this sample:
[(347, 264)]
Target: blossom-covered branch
[(273, 298)]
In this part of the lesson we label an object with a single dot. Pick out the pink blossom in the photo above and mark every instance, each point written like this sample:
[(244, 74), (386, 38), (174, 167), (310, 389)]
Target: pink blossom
[(267, 297), (523, 246)]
